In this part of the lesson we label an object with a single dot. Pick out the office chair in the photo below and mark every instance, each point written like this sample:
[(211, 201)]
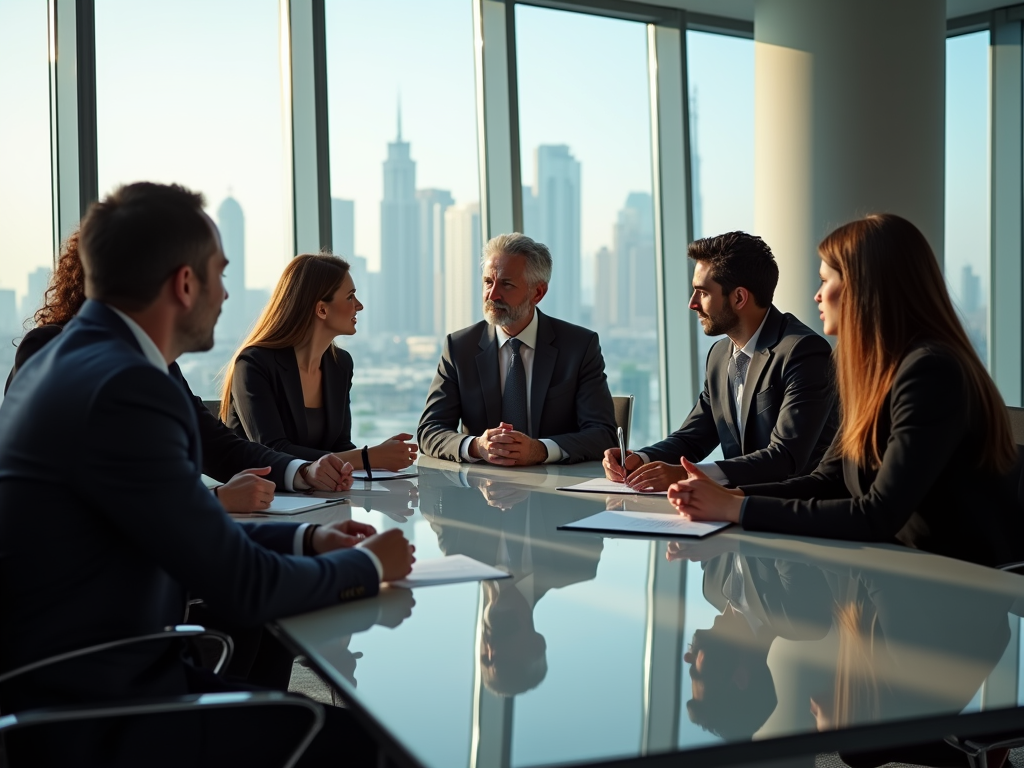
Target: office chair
[(1016, 423), (623, 405), (191, 703), (213, 406)]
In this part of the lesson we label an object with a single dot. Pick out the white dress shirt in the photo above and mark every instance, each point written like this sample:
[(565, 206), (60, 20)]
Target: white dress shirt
[(153, 354), (528, 337), (711, 468)]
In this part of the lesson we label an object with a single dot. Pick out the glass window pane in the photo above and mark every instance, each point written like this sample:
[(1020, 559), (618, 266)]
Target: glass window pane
[(190, 92), (721, 81), (405, 189), (967, 234), (584, 116), (26, 207)]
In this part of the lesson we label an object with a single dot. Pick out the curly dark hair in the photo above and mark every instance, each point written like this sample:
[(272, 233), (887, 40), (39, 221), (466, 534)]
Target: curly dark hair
[(65, 294)]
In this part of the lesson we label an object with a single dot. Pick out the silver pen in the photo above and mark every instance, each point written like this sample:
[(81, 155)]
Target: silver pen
[(622, 452)]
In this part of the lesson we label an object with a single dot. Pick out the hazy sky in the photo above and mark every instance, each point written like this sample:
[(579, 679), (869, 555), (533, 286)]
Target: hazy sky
[(190, 91)]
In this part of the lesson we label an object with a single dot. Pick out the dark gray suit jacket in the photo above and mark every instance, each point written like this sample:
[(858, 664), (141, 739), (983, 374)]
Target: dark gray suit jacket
[(788, 411), (569, 397)]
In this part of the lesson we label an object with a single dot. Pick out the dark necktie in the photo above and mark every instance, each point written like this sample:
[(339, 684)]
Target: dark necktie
[(742, 362), (513, 399)]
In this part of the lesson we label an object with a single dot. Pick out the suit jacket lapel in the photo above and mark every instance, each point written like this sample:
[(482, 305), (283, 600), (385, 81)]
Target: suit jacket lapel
[(293, 391), (759, 363), (332, 387), (544, 357), (490, 382)]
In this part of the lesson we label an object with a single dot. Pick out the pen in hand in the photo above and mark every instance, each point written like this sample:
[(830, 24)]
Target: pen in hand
[(622, 453)]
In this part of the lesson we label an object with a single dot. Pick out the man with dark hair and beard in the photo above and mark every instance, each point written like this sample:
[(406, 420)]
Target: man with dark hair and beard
[(527, 388), (768, 395)]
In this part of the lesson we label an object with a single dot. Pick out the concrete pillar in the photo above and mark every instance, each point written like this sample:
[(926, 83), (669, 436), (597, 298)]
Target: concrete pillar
[(850, 119)]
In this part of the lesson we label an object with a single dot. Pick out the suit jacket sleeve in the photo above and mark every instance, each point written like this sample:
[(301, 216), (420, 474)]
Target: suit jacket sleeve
[(928, 424), (259, 410), (595, 413), (696, 438), (137, 471), (225, 454), (437, 433), (807, 406), (825, 482)]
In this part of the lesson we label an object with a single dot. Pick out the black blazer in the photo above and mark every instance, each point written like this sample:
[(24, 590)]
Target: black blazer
[(569, 397), (928, 493), (106, 545), (267, 406), (224, 453), (788, 410)]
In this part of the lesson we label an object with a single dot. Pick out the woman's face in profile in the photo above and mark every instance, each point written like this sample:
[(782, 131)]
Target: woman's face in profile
[(829, 298), (340, 312)]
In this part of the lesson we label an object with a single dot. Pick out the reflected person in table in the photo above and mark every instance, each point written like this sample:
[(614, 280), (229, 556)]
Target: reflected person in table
[(924, 455), (768, 398), (525, 387)]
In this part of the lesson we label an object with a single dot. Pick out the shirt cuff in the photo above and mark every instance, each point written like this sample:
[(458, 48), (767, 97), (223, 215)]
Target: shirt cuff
[(297, 541), (743, 508), (292, 479), (643, 456), (373, 559), (554, 452), (712, 470), (464, 449)]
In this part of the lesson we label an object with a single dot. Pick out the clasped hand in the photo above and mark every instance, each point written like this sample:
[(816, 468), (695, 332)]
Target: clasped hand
[(393, 550), (701, 498), (506, 447)]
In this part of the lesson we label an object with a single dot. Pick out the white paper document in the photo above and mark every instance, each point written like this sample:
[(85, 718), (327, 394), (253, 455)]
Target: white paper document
[(293, 505), (448, 570), (604, 485), (381, 474), (643, 524)]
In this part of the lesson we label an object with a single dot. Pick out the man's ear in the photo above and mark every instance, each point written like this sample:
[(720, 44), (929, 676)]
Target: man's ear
[(741, 297), (539, 292), (185, 286)]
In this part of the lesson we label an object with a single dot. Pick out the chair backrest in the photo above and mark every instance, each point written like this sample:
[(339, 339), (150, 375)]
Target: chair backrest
[(623, 405), (1016, 423), (213, 406)]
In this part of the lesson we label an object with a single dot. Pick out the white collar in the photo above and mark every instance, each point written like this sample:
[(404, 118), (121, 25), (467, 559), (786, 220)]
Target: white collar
[(528, 335), (751, 346), (149, 348)]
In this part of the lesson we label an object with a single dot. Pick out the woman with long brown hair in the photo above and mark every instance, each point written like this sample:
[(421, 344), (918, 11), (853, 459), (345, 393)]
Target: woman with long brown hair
[(924, 451), (288, 386)]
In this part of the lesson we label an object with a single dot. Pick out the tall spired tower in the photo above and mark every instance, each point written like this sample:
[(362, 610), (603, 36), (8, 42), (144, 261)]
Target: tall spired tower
[(401, 270)]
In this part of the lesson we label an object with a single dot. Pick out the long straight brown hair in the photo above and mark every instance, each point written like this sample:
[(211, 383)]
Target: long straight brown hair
[(894, 296), (287, 318)]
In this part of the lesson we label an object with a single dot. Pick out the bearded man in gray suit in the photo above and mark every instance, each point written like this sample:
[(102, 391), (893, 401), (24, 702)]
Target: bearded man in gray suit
[(768, 395), (527, 388)]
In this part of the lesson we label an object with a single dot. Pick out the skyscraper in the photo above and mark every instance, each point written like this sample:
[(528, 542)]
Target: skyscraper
[(634, 251), (433, 204), (555, 214), (234, 319), (9, 325), (38, 280), (343, 227), (399, 240), (606, 297), (462, 276)]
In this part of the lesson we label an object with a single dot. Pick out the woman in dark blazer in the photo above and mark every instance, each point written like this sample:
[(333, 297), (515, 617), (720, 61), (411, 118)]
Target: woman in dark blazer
[(924, 455), (289, 384)]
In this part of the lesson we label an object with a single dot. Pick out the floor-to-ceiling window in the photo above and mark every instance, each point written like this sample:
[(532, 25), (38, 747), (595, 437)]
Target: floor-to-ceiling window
[(721, 90), (26, 221), (967, 236), (190, 92), (404, 194), (584, 120)]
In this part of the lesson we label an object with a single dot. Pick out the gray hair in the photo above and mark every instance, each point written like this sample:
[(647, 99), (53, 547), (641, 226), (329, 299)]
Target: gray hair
[(538, 257)]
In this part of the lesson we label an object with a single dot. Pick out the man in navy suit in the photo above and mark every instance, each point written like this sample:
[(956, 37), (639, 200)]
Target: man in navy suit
[(105, 544)]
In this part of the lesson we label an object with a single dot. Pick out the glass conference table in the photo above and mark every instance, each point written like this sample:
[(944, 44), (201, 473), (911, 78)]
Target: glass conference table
[(737, 649)]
